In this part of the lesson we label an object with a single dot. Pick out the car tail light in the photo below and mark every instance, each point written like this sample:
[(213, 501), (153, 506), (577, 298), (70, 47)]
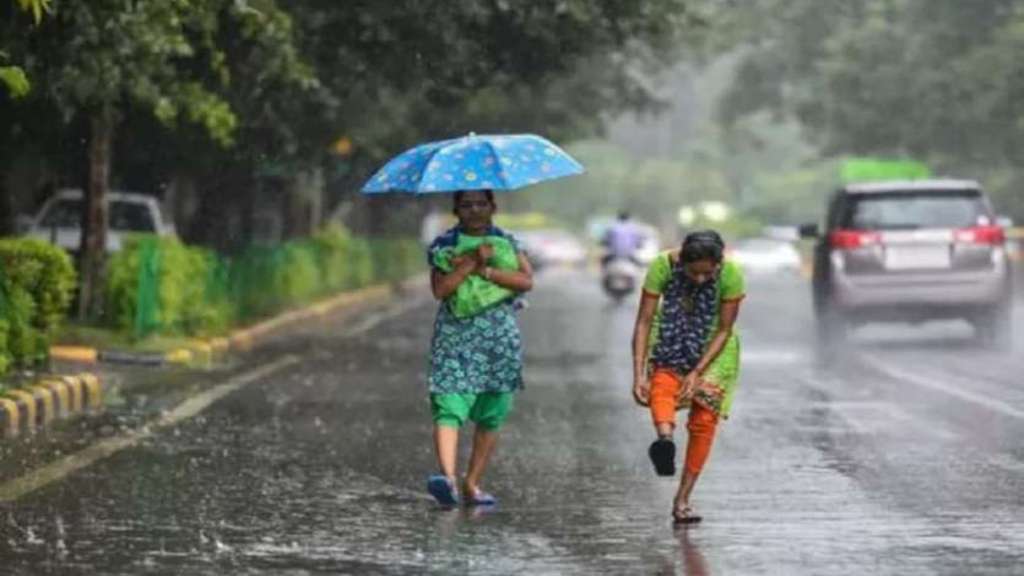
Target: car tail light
[(991, 235), (851, 239)]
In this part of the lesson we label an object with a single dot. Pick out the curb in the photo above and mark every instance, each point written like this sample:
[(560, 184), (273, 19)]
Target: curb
[(35, 406), (204, 352)]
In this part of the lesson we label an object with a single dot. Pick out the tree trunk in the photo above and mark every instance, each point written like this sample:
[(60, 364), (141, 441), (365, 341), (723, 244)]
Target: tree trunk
[(92, 255), (8, 226)]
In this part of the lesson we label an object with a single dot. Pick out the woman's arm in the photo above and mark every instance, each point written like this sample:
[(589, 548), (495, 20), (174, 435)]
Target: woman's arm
[(444, 285), (641, 335), (726, 321), (520, 280)]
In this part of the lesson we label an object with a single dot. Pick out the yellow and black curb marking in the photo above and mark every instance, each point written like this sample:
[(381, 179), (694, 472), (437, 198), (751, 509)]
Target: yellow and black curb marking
[(25, 409), (204, 352)]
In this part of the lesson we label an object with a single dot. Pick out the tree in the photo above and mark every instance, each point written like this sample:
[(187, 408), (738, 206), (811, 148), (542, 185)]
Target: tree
[(100, 57), (937, 80), (13, 77)]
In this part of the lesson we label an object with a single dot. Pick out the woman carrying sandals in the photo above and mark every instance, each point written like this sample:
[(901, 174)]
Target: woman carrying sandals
[(687, 354)]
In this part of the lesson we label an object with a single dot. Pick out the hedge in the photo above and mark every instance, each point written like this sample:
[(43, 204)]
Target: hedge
[(161, 285), (37, 282)]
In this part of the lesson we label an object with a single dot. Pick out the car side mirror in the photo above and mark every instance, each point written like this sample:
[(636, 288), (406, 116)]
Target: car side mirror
[(809, 231)]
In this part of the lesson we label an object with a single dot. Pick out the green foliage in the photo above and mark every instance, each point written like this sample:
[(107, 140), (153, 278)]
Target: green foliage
[(332, 247), (36, 285), (5, 354), (936, 80), (14, 78), (395, 259), (36, 7), (360, 270), (186, 301)]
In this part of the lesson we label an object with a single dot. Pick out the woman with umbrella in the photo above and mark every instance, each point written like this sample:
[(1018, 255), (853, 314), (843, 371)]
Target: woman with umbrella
[(476, 355), (478, 272)]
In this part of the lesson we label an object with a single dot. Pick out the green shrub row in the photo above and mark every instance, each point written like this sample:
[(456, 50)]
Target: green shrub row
[(161, 285), (37, 283), (158, 284)]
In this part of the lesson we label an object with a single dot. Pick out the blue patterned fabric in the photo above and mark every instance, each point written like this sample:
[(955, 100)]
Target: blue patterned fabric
[(484, 162), (688, 314), (481, 353)]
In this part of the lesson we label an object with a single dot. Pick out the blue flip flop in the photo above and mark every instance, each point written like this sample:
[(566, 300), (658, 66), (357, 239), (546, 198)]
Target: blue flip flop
[(443, 490), (480, 498)]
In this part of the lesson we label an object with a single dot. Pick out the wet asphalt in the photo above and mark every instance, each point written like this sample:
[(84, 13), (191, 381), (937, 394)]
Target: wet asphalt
[(901, 455)]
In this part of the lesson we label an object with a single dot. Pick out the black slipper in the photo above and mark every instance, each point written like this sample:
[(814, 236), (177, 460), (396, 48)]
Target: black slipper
[(663, 455), (685, 515)]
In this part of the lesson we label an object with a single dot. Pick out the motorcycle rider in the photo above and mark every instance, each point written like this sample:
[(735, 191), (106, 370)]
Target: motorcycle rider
[(621, 240)]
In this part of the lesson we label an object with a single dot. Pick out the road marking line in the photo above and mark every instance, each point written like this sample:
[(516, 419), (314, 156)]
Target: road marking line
[(924, 382), (770, 356), (373, 320), (18, 487)]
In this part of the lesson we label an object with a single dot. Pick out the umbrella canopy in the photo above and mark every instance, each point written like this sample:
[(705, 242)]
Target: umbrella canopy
[(484, 162)]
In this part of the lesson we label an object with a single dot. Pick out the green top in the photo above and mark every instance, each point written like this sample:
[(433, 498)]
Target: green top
[(476, 294), (724, 370)]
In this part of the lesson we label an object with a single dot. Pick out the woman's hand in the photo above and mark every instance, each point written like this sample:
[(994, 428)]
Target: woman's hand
[(711, 389), (689, 385), (458, 261), (484, 252), (642, 392)]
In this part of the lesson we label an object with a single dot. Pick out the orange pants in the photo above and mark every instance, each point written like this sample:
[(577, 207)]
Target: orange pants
[(702, 423)]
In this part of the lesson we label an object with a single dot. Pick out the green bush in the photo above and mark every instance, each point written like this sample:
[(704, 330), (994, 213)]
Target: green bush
[(332, 246), (158, 284), (5, 354), (296, 278), (395, 259), (36, 287), (259, 282), (360, 271), (267, 280)]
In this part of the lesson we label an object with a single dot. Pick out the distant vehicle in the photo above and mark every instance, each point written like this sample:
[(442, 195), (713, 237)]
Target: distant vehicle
[(59, 220), (765, 256), (552, 247), (911, 251), (620, 277), (650, 246)]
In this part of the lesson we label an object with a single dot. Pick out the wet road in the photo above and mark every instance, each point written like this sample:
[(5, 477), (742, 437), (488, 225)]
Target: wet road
[(903, 458)]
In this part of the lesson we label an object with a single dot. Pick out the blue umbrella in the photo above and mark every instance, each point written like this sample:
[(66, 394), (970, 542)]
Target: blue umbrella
[(484, 162)]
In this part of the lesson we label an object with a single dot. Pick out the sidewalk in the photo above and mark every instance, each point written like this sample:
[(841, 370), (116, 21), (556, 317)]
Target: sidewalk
[(131, 386)]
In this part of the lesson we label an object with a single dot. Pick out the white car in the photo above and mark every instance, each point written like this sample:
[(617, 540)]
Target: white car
[(59, 220), (552, 247), (765, 256)]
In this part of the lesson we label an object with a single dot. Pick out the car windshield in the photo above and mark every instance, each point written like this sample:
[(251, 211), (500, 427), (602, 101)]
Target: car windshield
[(909, 211), (130, 217), (124, 216)]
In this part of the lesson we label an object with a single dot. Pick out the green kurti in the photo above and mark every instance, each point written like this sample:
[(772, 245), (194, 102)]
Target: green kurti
[(724, 370)]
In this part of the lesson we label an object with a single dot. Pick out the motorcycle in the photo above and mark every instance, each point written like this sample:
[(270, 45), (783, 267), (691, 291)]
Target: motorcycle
[(620, 277)]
